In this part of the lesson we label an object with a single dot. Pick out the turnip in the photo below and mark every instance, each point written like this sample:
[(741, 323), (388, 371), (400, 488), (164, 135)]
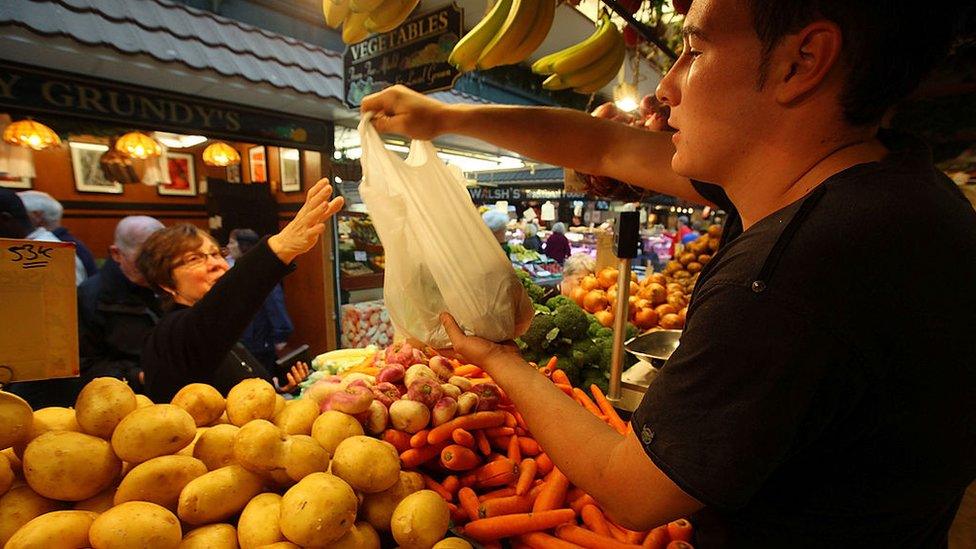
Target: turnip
[(441, 367), (462, 383), (409, 415), (418, 371), (377, 418), (445, 410), (386, 393), (467, 403), (451, 390), (426, 391), (391, 373), (489, 396), (354, 399)]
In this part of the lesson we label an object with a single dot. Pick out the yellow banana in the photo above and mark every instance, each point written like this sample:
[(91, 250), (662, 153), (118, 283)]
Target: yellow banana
[(389, 15), (364, 6), (513, 32), (537, 32), (335, 12), (588, 75), (466, 52), (352, 28), (618, 55), (546, 64)]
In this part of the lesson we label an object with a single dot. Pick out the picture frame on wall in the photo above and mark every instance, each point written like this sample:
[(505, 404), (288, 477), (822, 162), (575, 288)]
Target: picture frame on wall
[(234, 173), (182, 176), (18, 183), (290, 164), (87, 170), (257, 164)]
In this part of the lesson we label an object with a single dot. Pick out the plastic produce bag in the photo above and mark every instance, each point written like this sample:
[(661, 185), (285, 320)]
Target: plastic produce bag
[(440, 256)]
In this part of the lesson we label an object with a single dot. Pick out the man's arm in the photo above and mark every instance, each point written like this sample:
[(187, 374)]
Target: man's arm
[(612, 468), (562, 137)]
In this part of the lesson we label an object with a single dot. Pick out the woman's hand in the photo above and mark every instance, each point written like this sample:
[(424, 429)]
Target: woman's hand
[(477, 350), (298, 374), (400, 110), (303, 231)]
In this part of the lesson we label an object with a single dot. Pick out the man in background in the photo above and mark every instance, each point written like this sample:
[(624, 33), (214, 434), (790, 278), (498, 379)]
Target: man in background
[(44, 211)]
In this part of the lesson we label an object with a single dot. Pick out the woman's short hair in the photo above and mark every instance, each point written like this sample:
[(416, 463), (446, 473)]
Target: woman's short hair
[(579, 264), (559, 228), (531, 229), (164, 248)]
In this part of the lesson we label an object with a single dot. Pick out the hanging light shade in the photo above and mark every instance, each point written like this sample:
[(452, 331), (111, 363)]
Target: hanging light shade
[(219, 153), (138, 145), (28, 133)]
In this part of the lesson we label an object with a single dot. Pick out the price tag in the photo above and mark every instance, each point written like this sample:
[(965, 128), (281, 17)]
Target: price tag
[(359, 255)]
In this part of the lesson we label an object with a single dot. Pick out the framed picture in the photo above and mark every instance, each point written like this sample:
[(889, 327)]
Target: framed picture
[(257, 163), (87, 169), (12, 182), (290, 162), (182, 176), (234, 173)]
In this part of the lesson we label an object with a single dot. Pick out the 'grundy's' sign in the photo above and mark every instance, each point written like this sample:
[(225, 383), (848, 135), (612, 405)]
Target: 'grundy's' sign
[(413, 54), (36, 90)]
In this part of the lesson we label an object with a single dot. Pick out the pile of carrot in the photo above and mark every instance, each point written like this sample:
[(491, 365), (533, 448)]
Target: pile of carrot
[(500, 484)]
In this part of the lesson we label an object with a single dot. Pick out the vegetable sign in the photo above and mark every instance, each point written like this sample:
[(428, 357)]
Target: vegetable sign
[(39, 315)]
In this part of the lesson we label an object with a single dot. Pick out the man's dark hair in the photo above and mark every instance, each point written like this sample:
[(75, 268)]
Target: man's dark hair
[(14, 221), (246, 239), (888, 46)]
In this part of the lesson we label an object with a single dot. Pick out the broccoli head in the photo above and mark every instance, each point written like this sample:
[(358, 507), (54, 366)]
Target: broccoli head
[(631, 332), (586, 353), (604, 333), (572, 321), (541, 308), (594, 329), (595, 377), (540, 332), (558, 301), (536, 292)]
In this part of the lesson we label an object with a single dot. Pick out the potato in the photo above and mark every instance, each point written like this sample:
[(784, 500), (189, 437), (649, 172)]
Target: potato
[(57, 529), (378, 508), (360, 536), (142, 401), (212, 536), (19, 506), (188, 449), (70, 466), (218, 495), (251, 399), (279, 404), (318, 510), (6, 474), (452, 543), (304, 456), (420, 520), (53, 418), (258, 524), (215, 447), (14, 460), (222, 420), (136, 524), (99, 503), (259, 446), (201, 401), (159, 480), (297, 416), (333, 427), (16, 417), (153, 431), (281, 545), (102, 404), (367, 464)]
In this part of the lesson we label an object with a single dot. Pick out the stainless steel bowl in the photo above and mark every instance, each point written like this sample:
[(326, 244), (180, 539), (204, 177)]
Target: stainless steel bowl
[(654, 347)]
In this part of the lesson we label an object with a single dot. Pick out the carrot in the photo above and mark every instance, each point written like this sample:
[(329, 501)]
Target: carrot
[(495, 432), (618, 533), (553, 496), (578, 503), (514, 451), (437, 487), (496, 473), (458, 458), (680, 530), (633, 536), (495, 528), (477, 420), (591, 540), (607, 409), (541, 540), (493, 545), (678, 544), (458, 515), (657, 538), (586, 402), (526, 475), (508, 491), (416, 456), (594, 520), (399, 439), (528, 446), (419, 439), (483, 445), (536, 489), (468, 370), (469, 502), (463, 437), (574, 493), (521, 421), (468, 480), (544, 462), (451, 483), (504, 506), (551, 365), (566, 388), (510, 420), (559, 376)]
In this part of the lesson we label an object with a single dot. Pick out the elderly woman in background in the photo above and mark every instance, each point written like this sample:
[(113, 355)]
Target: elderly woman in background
[(497, 223), (532, 240), (575, 268), (211, 305), (557, 245)]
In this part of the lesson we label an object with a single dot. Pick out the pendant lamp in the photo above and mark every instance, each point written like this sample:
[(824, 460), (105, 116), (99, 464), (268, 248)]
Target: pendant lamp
[(219, 153), (138, 145), (28, 133)]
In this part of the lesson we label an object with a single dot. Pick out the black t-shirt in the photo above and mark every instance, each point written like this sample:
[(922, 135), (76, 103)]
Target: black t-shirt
[(823, 394)]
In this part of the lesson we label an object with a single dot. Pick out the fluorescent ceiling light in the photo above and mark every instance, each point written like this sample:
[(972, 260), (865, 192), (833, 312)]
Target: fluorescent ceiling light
[(178, 141), (466, 162)]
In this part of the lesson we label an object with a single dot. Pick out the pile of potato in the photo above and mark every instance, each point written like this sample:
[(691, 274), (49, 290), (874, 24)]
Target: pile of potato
[(251, 470)]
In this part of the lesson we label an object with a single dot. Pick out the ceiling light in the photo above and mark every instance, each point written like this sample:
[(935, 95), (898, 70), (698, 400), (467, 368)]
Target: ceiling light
[(178, 140), (28, 133), (625, 96), (138, 145), (219, 153)]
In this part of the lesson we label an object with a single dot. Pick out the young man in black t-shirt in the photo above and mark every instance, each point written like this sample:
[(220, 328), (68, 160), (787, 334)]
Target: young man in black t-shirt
[(822, 393)]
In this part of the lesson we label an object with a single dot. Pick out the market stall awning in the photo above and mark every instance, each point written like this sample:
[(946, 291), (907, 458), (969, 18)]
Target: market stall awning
[(539, 176)]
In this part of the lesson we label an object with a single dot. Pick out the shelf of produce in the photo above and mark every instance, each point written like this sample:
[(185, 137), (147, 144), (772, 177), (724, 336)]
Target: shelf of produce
[(362, 282)]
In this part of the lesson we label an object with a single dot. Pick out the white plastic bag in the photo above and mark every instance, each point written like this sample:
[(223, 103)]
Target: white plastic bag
[(440, 256)]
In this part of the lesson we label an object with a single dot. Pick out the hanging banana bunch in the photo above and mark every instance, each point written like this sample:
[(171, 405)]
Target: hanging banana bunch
[(508, 34), (588, 66), (360, 18)]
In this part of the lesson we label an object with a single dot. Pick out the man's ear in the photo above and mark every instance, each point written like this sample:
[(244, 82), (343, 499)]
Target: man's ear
[(116, 253), (805, 60)]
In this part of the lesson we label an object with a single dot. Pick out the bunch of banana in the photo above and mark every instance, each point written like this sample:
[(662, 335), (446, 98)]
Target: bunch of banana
[(588, 66), (508, 34), (360, 18)]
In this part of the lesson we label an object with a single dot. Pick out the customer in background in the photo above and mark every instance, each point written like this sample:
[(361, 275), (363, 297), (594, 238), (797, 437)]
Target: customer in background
[(210, 305), (268, 333), (117, 309), (557, 245), (497, 221), (575, 268), (46, 212), (532, 240)]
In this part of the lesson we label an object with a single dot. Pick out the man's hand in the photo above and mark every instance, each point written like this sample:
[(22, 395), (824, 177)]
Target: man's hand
[(477, 350), (400, 110), (298, 374), (303, 231)]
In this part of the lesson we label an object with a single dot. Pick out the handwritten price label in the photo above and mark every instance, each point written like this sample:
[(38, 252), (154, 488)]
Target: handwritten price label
[(31, 256)]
